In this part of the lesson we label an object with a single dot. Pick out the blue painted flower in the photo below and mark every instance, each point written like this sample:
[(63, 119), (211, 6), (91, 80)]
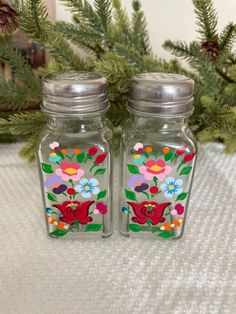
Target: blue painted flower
[(48, 210), (87, 187), (172, 187), (54, 158), (138, 158)]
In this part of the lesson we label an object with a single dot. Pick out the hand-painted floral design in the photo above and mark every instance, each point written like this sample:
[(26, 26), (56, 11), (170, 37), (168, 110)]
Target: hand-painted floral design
[(72, 198), (138, 158), (102, 208), (154, 168), (70, 171), (88, 187), (151, 211), (54, 157), (155, 192), (172, 187), (75, 211)]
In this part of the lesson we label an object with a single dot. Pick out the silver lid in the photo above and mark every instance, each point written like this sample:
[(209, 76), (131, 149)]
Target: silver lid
[(74, 93), (162, 94)]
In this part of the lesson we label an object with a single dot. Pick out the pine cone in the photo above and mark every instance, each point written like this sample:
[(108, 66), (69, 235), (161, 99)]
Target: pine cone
[(212, 49), (8, 18)]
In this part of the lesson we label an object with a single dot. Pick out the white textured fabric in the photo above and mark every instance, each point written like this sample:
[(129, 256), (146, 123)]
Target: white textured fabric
[(195, 274)]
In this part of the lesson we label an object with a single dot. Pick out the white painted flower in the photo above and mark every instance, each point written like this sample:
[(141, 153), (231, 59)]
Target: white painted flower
[(87, 187), (172, 187)]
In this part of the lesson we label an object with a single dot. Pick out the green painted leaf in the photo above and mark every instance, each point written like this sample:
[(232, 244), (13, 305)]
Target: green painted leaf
[(146, 154), (101, 194), (135, 228), (130, 195), (100, 171), (59, 233), (47, 168), (186, 170), (81, 157), (155, 229), (93, 227), (155, 180), (61, 155), (168, 156), (133, 169), (182, 196), (52, 197), (165, 234)]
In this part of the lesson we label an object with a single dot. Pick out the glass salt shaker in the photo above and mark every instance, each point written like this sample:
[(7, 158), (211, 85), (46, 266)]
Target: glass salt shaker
[(158, 153), (75, 156)]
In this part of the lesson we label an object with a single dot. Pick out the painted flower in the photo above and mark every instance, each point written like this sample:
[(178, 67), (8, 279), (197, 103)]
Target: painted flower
[(172, 187), (180, 151), (151, 211), (61, 188), (93, 150), (102, 208), (153, 189), (135, 180), (138, 146), (154, 168), (54, 158), (189, 157), (138, 158), (142, 187), (179, 209), (87, 187), (52, 181), (70, 171), (71, 191), (75, 211), (54, 145)]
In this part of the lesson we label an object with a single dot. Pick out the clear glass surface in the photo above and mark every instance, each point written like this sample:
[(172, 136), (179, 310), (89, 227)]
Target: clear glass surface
[(158, 158), (75, 167)]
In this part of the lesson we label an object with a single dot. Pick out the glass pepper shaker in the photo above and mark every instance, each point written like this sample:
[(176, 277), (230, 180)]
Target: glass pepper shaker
[(158, 153), (75, 156)]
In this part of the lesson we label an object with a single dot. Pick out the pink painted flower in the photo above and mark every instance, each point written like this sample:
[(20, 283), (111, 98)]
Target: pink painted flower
[(154, 168), (102, 208), (70, 171), (138, 146)]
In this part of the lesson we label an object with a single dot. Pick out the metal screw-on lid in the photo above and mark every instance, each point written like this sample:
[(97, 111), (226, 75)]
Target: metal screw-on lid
[(162, 94), (74, 93)]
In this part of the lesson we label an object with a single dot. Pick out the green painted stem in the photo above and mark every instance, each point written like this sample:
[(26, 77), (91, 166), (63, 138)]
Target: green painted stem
[(145, 193), (94, 165), (181, 164)]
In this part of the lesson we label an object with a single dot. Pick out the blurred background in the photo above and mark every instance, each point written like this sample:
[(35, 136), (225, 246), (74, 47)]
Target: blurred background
[(168, 19)]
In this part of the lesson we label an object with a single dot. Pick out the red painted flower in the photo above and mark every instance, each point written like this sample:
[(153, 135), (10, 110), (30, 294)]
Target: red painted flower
[(189, 157), (181, 151), (100, 158), (153, 189), (74, 210), (149, 211), (93, 151)]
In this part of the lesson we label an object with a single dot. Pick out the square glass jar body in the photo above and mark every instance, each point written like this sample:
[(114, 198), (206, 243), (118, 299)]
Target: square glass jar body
[(158, 158), (75, 167)]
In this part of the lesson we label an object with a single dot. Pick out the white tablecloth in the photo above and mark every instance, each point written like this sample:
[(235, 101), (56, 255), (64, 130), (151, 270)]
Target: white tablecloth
[(195, 274)]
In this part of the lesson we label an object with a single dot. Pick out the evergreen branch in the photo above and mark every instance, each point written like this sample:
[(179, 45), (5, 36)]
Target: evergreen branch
[(227, 37), (183, 50), (206, 19), (18, 64), (139, 29), (23, 124), (82, 35), (28, 152), (121, 19), (14, 96), (103, 9), (35, 23)]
